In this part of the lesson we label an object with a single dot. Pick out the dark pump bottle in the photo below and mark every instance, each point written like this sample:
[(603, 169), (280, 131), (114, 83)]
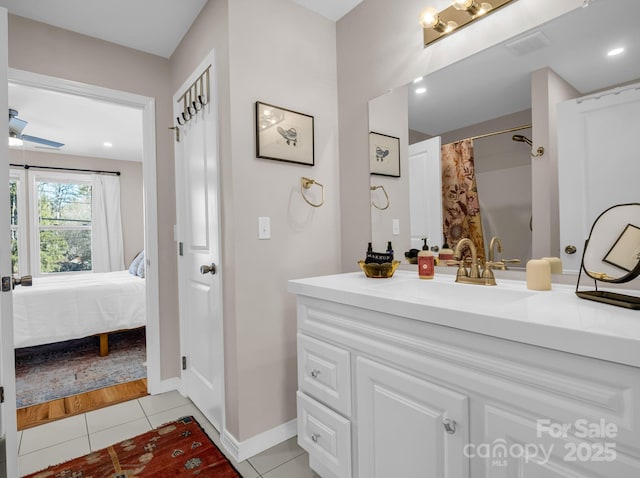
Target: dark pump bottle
[(389, 249)]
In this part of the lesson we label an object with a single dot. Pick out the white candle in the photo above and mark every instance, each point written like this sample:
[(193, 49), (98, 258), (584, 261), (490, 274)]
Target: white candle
[(538, 274), (555, 263)]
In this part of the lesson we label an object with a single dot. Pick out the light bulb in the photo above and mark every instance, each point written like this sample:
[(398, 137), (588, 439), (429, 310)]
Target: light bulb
[(484, 8), (429, 17), (461, 4), (469, 6)]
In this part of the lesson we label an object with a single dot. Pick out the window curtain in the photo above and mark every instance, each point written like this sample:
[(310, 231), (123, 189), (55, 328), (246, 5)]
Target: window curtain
[(106, 231), (460, 203)]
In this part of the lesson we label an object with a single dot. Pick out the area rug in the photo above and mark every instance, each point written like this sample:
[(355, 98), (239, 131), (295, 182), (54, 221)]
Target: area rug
[(53, 371), (180, 448)]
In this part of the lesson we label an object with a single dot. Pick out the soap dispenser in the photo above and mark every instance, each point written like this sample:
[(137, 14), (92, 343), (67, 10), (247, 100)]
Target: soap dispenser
[(446, 254), (426, 262)]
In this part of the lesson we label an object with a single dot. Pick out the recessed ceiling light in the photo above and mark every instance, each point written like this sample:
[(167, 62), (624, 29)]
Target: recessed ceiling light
[(615, 51), (421, 90), (107, 144), (418, 80)]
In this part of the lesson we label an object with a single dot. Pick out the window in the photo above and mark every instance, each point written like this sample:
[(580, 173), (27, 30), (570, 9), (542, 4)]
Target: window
[(61, 221)]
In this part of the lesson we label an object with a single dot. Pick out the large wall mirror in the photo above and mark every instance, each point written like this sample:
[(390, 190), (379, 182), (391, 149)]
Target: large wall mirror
[(488, 98)]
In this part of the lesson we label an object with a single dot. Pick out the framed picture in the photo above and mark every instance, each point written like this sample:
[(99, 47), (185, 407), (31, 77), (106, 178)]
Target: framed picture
[(384, 155), (284, 135), (625, 252)]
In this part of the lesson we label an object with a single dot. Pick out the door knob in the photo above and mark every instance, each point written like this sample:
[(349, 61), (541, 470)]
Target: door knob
[(208, 269)]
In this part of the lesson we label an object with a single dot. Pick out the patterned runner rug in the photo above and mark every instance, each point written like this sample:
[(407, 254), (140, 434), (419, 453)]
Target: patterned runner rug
[(52, 371), (180, 448)]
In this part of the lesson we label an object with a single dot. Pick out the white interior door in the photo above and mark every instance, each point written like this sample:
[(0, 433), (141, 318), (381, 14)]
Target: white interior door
[(8, 433), (425, 192), (596, 151), (199, 247)]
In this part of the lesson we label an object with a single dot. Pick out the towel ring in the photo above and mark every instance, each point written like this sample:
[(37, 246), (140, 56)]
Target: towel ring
[(306, 183), (373, 188)]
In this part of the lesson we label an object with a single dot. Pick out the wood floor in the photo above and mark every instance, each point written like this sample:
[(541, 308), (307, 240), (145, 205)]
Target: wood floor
[(76, 404)]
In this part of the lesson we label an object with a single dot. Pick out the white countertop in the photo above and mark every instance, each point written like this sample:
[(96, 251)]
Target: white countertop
[(556, 319)]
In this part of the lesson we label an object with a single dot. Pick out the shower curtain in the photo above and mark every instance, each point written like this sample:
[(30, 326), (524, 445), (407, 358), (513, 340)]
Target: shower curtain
[(460, 203)]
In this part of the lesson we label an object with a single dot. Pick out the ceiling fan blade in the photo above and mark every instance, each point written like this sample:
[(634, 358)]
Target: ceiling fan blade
[(46, 142), (16, 125)]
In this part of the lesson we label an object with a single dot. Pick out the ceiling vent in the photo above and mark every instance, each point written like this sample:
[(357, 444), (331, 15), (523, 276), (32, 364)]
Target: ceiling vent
[(529, 43)]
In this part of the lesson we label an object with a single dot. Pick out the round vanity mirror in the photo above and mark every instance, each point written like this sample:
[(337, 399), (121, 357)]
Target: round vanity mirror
[(612, 253)]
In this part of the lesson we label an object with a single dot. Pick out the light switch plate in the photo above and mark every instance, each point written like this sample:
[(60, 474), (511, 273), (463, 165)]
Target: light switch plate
[(396, 227), (264, 228)]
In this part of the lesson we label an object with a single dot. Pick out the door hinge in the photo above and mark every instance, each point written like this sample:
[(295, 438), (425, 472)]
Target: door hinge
[(184, 363), (181, 248), (1, 394)]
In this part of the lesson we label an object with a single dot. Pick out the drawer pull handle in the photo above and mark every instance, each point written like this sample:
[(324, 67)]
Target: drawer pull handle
[(315, 437), (449, 425), (315, 373)]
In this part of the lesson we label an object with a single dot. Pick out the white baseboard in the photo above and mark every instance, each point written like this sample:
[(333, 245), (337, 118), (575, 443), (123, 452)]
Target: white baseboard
[(164, 386), (240, 451)]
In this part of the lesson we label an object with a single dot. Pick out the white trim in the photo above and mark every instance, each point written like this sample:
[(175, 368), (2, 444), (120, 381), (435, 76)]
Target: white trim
[(240, 451), (168, 385), (147, 105), (8, 421)]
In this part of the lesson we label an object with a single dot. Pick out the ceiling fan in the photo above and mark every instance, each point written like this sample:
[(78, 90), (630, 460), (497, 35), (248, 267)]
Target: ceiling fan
[(16, 125)]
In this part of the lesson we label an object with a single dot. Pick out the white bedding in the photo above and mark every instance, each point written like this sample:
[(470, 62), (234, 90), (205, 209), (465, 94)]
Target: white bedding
[(66, 307)]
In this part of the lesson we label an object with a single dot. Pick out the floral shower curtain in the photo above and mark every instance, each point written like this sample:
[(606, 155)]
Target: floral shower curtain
[(460, 204)]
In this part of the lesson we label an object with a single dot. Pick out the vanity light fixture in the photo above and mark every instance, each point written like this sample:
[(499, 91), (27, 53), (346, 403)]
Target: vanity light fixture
[(461, 13), (421, 90), (107, 144)]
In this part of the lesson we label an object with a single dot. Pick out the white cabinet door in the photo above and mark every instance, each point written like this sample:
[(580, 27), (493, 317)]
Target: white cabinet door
[(401, 430), (518, 446)]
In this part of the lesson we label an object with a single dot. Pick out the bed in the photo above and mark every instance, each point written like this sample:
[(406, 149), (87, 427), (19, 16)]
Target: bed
[(65, 307)]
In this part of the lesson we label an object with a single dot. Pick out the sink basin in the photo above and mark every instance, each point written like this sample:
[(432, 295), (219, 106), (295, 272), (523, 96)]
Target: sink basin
[(458, 293)]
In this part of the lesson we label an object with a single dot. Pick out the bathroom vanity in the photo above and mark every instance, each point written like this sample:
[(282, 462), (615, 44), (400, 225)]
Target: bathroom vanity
[(411, 378)]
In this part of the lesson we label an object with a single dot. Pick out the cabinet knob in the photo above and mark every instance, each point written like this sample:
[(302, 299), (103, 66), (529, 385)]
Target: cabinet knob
[(315, 437), (449, 425), (570, 249), (314, 373)]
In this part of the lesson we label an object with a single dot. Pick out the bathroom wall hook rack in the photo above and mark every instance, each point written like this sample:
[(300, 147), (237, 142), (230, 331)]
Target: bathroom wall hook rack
[(306, 183)]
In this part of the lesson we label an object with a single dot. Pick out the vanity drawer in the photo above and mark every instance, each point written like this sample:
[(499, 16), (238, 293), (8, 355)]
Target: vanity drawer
[(324, 373), (326, 436)]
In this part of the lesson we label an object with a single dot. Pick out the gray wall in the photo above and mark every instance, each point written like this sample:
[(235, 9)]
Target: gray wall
[(284, 55)]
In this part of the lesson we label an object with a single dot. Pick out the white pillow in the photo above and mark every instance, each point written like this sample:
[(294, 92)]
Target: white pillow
[(135, 263)]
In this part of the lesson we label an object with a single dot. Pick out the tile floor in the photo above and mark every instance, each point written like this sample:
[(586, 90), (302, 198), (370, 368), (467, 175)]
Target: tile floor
[(59, 441)]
